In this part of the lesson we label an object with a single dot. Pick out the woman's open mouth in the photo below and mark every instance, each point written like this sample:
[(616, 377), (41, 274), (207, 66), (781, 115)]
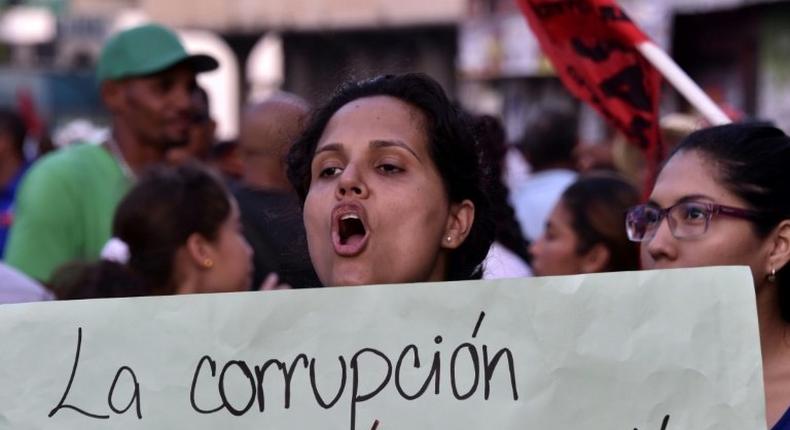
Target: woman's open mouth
[(349, 232)]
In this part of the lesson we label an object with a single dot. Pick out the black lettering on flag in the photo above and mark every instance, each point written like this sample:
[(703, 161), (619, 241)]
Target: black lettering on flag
[(546, 11), (638, 130), (628, 85), (597, 52)]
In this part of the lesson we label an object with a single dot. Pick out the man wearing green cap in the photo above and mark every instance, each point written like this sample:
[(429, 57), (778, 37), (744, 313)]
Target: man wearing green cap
[(65, 205)]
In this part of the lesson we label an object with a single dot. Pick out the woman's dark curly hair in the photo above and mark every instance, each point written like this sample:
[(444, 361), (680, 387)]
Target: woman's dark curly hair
[(452, 147), (491, 136)]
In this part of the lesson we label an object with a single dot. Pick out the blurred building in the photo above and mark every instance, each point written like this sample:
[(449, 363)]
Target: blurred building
[(480, 50), (304, 46), (736, 50)]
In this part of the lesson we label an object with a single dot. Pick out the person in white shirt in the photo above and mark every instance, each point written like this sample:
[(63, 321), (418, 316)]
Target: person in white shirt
[(16, 287), (547, 146)]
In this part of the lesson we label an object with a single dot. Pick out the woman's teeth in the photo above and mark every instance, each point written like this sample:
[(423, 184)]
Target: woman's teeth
[(350, 226)]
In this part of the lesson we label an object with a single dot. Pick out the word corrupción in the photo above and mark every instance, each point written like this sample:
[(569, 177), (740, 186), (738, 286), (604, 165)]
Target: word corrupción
[(484, 365)]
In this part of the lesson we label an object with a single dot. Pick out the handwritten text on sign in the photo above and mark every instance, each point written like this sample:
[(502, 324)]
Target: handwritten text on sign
[(614, 351)]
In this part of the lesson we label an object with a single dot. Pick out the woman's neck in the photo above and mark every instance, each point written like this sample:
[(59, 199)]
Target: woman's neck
[(775, 346), (187, 287), (135, 153), (774, 333)]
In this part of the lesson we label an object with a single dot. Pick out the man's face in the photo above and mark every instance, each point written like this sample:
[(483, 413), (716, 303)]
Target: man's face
[(157, 108)]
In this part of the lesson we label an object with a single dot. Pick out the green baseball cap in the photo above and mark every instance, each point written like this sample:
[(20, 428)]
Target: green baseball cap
[(144, 50)]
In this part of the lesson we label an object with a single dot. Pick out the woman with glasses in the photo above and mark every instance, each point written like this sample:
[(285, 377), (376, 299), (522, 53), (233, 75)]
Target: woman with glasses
[(725, 196), (584, 232)]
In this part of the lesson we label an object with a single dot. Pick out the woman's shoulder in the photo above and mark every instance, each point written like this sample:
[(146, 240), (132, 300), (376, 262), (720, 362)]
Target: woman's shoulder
[(502, 263), (784, 422)]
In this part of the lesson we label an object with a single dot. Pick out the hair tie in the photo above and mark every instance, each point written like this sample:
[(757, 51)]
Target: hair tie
[(115, 250)]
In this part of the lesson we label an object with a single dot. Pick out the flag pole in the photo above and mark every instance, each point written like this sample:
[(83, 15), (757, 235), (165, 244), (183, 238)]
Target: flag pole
[(683, 83)]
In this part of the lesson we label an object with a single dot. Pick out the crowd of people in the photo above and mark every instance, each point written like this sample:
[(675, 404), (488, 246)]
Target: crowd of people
[(388, 181)]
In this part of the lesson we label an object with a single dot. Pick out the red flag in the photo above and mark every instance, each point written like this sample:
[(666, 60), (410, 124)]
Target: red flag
[(592, 45), (28, 112)]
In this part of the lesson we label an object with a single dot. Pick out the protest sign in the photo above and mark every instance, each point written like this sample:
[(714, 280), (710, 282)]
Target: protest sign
[(653, 350)]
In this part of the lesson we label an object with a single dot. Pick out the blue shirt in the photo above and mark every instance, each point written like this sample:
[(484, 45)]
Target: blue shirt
[(7, 195), (784, 422)]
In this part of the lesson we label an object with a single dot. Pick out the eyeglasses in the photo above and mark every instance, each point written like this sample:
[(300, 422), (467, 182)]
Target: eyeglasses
[(686, 220)]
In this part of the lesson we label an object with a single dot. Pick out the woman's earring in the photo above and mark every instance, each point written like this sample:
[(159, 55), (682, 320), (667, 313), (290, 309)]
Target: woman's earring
[(449, 238), (772, 276), (208, 263)]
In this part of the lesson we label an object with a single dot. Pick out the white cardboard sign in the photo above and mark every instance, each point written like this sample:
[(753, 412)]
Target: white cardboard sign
[(653, 350)]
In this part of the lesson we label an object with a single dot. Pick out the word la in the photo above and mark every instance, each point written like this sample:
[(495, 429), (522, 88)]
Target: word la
[(134, 400)]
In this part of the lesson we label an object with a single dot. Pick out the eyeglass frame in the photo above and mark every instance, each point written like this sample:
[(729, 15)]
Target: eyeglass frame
[(713, 209)]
